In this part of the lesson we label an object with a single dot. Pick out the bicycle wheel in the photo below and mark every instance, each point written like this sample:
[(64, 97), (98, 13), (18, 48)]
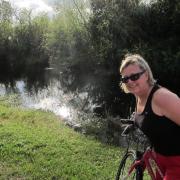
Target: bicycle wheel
[(124, 166)]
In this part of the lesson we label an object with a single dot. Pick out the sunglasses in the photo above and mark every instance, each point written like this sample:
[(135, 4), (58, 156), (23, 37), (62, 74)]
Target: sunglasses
[(133, 77)]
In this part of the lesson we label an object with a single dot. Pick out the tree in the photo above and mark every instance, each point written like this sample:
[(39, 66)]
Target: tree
[(6, 31)]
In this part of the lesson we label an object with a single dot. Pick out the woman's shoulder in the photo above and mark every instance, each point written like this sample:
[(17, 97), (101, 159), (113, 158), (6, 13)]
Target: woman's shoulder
[(164, 96), (168, 104)]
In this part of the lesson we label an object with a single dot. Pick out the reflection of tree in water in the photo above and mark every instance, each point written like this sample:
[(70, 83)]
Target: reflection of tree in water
[(34, 79), (8, 82), (102, 87)]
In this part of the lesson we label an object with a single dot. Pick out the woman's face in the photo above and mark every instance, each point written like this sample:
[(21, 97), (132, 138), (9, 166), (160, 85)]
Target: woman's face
[(135, 79)]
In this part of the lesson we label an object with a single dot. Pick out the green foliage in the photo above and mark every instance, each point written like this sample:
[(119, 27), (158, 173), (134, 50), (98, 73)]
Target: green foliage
[(22, 40), (31, 38), (37, 145), (68, 34), (5, 23), (113, 28), (6, 11)]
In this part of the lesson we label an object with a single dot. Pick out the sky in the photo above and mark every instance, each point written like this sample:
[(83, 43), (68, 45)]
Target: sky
[(41, 5), (35, 5)]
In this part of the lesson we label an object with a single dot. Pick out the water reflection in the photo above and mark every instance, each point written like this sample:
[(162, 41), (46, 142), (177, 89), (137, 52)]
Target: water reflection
[(18, 87), (76, 108), (51, 98)]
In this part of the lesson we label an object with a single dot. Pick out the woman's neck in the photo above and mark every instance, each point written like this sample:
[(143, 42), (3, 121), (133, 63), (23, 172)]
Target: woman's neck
[(142, 98)]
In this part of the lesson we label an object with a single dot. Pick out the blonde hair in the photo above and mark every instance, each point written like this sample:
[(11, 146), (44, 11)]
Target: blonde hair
[(131, 59)]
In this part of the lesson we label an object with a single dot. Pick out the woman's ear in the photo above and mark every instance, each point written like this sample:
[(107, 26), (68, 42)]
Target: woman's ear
[(146, 75)]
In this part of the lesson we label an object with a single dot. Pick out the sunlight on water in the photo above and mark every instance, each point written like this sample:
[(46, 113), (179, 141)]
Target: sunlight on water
[(69, 106), (52, 104), (64, 112), (2, 90)]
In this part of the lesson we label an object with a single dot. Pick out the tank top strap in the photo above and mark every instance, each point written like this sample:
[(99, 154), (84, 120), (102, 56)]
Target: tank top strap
[(148, 103)]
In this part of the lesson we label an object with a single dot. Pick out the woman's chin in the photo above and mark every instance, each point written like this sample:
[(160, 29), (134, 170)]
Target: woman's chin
[(134, 91)]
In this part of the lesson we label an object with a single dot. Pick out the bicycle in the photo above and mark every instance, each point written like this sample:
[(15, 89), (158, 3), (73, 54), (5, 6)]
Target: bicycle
[(137, 164)]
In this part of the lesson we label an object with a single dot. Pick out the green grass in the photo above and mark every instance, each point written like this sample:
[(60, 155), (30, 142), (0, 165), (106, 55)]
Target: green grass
[(37, 145)]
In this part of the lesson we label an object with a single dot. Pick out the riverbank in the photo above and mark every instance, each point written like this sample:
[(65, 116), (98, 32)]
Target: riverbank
[(37, 145)]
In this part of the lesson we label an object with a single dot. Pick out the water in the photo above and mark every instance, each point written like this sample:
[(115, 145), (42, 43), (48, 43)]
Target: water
[(75, 108), (51, 98)]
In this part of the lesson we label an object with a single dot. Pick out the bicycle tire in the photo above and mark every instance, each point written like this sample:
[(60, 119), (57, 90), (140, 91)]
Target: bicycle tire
[(124, 166)]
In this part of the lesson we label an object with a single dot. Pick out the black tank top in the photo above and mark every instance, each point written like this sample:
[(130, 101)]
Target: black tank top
[(162, 132)]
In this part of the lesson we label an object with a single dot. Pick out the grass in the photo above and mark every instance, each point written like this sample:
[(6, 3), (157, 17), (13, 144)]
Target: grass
[(37, 145)]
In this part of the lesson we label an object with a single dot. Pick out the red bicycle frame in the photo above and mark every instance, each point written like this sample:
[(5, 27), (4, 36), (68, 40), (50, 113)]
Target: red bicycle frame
[(148, 162)]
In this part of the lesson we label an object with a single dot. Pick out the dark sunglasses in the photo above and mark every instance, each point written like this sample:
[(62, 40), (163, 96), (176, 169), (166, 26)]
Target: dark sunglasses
[(132, 77)]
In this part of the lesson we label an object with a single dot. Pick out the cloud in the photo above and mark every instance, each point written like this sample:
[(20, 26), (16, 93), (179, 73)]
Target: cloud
[(35, 5)]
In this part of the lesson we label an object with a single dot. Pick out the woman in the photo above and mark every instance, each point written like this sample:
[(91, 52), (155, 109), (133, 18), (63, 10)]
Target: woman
[(161, 110)]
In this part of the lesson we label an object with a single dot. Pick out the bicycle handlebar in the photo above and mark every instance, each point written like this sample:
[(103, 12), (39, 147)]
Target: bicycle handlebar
[(127, 121), (128, 125), (127, 130)]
